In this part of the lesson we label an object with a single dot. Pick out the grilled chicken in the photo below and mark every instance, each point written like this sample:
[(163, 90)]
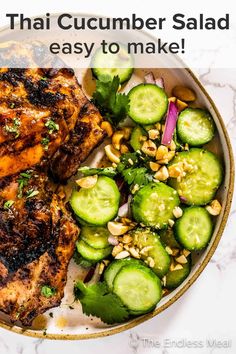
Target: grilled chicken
[(37, 238), (39, 110), (47, 128)]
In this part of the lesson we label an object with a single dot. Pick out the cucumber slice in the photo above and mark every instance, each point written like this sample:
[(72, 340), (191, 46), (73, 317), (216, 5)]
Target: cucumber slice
[(143, 238), (176, 277), (114, 267), (120, 64), (135, 139), (168, 238), (96, 237), (153, 205), (205, 176), (195, 126), (138, 288), (194, 229), (90, 253), (148, 103), (99, 204)]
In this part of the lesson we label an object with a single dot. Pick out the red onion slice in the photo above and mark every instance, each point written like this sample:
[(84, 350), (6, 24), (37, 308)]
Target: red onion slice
[(159, 81), (113, 240), (149, 78), (170, 125)]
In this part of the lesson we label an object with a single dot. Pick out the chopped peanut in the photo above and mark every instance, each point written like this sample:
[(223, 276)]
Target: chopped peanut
[(181, 259), (171, 222), (112, 154), (108, 128), (162, 174), (184, 93), (154, 166), (176, 170), (87, 182), (151, 262), (214, 208), (116, 139), (117, 249), (177, 212), (168, 250), (178, 267), (121, 255), (127, 132), (127, 239), (172, 145), (186, 253), (117, 228), (172, 99), (124, 149), (153, 134), (181, 105), (134, 252), (149, 148), (161, 152)]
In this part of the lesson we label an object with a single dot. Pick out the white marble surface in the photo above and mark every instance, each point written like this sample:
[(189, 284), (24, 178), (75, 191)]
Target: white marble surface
[(207, 312)]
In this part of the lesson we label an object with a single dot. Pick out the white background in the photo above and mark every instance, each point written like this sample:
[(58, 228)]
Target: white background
[(208, 309)]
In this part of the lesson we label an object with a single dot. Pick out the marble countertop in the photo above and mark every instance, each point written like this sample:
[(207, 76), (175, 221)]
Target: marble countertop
[(203, 319)]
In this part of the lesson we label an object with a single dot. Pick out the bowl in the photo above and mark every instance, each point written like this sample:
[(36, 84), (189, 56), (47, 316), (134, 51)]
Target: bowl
[(68, 321)]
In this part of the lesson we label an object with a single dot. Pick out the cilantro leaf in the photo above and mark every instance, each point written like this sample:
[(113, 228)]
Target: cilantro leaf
[(97, 301), (131, 172), (114, 106), (48, 291), (139, 176), (106, 171), (8, 204)]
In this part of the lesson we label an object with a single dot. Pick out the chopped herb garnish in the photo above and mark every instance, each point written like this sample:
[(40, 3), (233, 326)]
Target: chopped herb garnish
[(43, 78), (114, 106), (52, 126), (8, 204), (48, 291), (12, 105), (51, 314), (45, 142), (131, 172), (13, 129), (96, 300), (31, 193), (22, 182)]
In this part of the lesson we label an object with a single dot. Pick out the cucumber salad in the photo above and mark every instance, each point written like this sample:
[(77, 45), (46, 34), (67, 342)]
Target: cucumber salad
[(151, 202)]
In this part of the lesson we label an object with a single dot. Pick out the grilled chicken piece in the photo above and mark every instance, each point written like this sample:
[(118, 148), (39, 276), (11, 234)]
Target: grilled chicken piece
[(82, 140), (46, 122), (37, 238), (39, 109)]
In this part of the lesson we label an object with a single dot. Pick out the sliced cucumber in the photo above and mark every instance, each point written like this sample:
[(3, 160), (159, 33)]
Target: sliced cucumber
[(135, 139), (120, 64), (114, 267), (148, 103), (195, 126), (194, 229), (95, 236), (138, 287), (90, 253), (168, 238), (149, 241), (203, 178), (176, 277), (99, 204), (153, 205)]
